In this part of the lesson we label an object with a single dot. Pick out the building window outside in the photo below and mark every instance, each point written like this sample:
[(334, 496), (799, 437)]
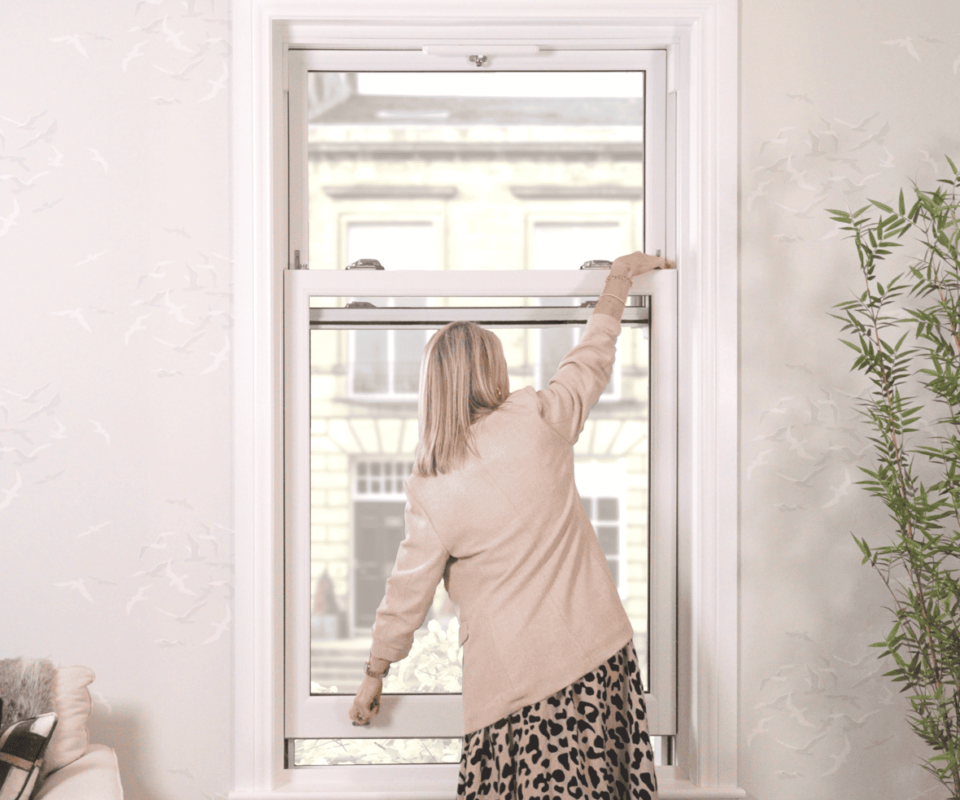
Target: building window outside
[(604, 513), (385, 364), (574, 241)]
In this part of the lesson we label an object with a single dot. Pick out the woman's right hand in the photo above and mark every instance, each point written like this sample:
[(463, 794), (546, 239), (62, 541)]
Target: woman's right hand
[(366, 703), (638, 263)]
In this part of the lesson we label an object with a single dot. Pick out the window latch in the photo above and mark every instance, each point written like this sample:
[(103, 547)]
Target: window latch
[(365, 263), (600, 263), (296, 261)]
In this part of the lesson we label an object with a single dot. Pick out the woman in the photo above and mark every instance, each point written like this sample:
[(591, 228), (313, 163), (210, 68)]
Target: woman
[(552, 699)]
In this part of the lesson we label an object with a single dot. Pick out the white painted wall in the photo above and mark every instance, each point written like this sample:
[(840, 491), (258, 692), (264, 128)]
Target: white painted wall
[(136, 173)]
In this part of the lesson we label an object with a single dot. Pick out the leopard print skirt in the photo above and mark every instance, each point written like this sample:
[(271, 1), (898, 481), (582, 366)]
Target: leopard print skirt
[(589, 740)]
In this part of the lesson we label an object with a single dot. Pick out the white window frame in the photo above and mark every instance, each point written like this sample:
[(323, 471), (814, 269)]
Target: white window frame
[(310, 716), (325, 716), (700, 37), (440, 716)]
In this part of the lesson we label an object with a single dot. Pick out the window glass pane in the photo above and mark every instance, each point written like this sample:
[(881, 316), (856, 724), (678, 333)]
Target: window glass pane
[(408, 353), (614, 569), (497, 84), (555, 343), (370, 362), (387, 362), (558, 243), (362, 451), (479, 157), (396, 244), (607, 508), (621, 522), (343, 752), (609, 539)]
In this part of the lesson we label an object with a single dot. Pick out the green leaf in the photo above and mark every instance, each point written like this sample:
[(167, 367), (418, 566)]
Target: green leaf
[(842, 216)]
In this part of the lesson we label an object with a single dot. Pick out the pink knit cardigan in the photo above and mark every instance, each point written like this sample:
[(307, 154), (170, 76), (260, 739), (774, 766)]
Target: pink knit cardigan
[(509, 537)]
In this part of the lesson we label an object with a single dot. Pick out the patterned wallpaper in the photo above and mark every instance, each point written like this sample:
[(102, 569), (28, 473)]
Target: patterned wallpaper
[(115, 331), (839, 102), (115, 384)]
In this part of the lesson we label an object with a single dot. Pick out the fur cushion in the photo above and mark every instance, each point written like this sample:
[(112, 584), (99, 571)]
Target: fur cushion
[(26, 687), (30, 687)]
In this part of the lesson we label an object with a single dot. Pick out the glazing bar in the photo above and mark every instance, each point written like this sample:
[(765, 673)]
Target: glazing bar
[(515, 317)]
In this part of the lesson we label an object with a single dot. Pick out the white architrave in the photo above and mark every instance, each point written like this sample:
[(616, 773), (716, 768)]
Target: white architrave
[(701, 39)]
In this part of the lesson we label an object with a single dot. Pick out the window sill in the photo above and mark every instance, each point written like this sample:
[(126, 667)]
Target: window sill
[(390, 785)]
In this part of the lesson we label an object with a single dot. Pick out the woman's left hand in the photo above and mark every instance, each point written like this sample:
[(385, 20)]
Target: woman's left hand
[(366, 704), (638, 263)]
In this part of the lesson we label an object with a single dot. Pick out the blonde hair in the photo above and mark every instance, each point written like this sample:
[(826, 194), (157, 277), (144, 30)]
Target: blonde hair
[(463, 377)]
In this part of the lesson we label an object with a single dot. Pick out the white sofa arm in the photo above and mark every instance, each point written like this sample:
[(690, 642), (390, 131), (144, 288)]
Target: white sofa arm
[(93, 776)]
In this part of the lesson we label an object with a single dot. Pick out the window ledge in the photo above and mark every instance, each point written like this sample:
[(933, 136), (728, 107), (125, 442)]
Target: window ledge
[(389, 786)]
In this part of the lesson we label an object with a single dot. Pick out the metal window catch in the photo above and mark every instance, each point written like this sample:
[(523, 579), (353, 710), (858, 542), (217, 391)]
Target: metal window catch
[(365, 263), (296, 261), (597, 264), (478, 60), (359, 304)]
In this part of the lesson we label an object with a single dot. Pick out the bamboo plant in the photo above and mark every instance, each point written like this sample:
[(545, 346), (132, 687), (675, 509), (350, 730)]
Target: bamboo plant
[(905, 331)]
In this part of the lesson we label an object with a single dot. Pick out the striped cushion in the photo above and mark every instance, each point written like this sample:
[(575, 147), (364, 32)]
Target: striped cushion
[(21, 755)]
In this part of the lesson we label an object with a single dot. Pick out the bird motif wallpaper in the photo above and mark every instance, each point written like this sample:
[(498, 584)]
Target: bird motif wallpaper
[(115, 399), (840, 103), (116, 536)]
